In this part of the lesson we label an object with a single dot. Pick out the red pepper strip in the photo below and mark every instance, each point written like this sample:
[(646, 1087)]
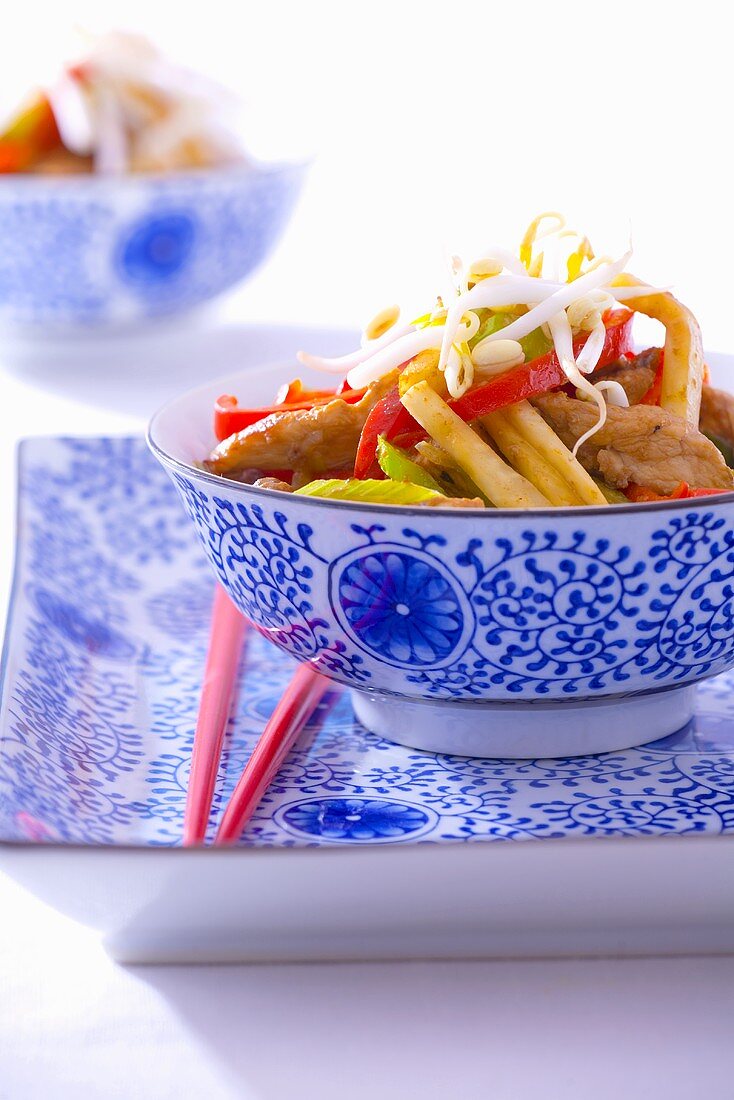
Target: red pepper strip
[(407, 440), (652, 397), (294, 392), (540, 375), (390, 418), (638, 494), (14, 156), (230, 418)]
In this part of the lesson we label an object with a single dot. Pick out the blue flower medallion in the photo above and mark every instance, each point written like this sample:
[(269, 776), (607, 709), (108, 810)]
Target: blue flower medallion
[(350, 819), (401, 606), (157, 248)]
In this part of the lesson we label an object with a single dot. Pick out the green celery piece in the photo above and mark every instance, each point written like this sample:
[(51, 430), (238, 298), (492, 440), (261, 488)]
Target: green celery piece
[(396, 465), (534, 344), (613, 495), (493, 322), (368, 492), (722, 445)]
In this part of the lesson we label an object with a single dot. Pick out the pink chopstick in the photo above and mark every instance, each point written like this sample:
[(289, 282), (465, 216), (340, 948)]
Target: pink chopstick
[(299, 701), (220, 675)]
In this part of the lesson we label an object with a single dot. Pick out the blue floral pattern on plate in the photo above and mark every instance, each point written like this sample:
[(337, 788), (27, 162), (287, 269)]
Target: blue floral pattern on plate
[(107, 639)]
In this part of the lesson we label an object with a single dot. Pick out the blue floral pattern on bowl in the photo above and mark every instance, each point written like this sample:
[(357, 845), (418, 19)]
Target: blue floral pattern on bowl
[(92, 252), (488, 610)]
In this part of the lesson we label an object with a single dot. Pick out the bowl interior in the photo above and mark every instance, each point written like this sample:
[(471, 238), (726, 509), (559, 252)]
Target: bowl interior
[(183, 430)]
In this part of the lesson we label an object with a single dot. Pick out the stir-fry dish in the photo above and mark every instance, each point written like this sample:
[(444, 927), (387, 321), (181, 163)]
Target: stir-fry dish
[(122, 108), (519, 389)]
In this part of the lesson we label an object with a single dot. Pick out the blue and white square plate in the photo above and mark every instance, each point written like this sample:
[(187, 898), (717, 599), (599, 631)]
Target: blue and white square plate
[(361, 848)]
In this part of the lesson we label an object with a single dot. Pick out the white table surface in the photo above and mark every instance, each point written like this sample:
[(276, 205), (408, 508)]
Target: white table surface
[(72, 1024)]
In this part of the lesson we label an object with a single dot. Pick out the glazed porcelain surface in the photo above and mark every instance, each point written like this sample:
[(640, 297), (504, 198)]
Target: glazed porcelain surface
[(507, 612), (91, 252), (101, 683)]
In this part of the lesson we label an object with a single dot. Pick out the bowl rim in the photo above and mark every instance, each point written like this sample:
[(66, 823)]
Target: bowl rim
[(277, 495), (93, 182)]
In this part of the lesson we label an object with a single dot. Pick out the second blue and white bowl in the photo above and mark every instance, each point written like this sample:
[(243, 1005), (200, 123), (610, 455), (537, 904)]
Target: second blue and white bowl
[(90, 252)]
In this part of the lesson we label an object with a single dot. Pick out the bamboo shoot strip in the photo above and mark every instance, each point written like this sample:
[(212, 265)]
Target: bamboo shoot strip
[(504, 486), (528, 421), (528, 461), (683, 356)]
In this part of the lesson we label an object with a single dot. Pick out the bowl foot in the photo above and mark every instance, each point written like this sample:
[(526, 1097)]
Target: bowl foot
[(526, 731)]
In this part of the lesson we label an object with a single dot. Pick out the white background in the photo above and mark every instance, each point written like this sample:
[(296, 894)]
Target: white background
[(454, 123), (434, 126)]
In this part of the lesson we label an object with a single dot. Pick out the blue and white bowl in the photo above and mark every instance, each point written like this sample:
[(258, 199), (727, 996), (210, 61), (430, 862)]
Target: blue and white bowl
[(93, 252), (500, 633)]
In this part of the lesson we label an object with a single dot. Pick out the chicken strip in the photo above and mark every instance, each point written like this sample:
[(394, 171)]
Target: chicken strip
[(318, 439), (635, 376), (452, 502), (643, 444), (717, 414), (273, 483)]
